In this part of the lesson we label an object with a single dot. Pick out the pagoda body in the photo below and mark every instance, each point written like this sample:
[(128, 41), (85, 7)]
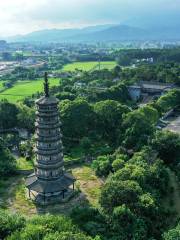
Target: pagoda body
[(49, 183)]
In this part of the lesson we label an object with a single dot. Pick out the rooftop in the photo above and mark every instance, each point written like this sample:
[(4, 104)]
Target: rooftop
[(49, 186), (47, 100)]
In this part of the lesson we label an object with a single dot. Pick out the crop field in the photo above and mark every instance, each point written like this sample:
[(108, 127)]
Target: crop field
[(88, 66), (23, 89)]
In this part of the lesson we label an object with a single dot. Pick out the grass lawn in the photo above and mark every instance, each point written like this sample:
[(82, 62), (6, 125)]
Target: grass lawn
[(23, 164), (13, 194), (23, 89), (88, 183), (87, 66)]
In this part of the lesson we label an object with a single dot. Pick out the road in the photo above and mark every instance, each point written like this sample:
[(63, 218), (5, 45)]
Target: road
[(174, 125)]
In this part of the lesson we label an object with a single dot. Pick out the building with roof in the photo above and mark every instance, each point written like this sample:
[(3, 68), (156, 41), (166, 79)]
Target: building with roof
[(49, 183)]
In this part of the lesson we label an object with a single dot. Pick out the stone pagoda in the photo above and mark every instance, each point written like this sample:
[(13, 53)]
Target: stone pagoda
[(49, 183)]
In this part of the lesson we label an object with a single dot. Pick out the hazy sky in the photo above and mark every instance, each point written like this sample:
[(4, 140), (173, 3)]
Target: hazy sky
[(23, 16)]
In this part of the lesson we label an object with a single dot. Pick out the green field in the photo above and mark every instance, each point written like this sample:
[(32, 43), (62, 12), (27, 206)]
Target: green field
[(23, 89), (87, 66), (1, 85)]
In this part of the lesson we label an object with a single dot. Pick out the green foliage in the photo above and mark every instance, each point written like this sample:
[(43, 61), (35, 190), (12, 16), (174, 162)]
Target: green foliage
[(137, 130), (116, 193), (165, 69), (77, 118), (109, 118), (67, 236), (169, 100), (150, 113), (49, 227), (118, 164), (102, 165), (118, 93), (90, 220), (167, 144), (66, 95), (7, 161), (86, 145), (127, 225), (26, 117), (10, 223), (8, 113), (172, 234), (133, 194)]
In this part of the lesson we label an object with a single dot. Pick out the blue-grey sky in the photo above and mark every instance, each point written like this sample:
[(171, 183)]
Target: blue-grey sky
[(23, 16)]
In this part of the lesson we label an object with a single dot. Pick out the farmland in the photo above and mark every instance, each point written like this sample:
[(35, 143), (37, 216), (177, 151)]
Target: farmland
[(88, 66), (23, 89)]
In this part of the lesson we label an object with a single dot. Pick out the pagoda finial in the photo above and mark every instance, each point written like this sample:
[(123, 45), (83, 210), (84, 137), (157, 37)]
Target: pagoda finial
[(46, 85)]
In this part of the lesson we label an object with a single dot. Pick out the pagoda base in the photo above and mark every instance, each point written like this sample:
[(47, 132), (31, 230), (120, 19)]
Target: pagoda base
[(46, 192), (43, 199)]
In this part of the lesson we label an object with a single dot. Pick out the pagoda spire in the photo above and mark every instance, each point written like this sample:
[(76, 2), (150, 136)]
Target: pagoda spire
[(46, 85)]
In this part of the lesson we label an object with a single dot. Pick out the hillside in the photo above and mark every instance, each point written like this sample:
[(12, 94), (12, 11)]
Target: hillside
[(101, 33)]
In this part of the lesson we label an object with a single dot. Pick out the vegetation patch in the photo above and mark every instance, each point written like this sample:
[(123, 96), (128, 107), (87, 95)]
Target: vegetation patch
[(87, 66), (23, 89), (24, 164), (89, 183)]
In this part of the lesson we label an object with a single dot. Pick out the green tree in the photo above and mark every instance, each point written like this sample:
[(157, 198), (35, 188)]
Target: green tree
[(137, 130), (8, 113), (7, 161), (167, 144), (169, 100), (68, 236), (150, 113), (86, 145), (172, 234), (26, 117), (116, 193), (10, 223), (77, 118), (109, 115), (102, 165)]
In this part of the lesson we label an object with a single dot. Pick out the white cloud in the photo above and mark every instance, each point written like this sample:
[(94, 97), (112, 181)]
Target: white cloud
[(22, 16)]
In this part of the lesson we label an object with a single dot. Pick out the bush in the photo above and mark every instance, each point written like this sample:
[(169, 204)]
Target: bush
[(67, 236), (167, 144), (10, 223), (173, 234), (102, 165), (7, 161)]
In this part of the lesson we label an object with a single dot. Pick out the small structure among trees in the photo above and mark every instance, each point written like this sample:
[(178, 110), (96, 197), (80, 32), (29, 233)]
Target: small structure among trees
[(49, 183)]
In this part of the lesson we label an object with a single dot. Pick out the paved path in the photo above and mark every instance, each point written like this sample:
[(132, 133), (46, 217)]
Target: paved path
[(174, 125)]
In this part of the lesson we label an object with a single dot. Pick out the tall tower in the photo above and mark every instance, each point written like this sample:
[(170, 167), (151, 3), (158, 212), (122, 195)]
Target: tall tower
[(49, 183)]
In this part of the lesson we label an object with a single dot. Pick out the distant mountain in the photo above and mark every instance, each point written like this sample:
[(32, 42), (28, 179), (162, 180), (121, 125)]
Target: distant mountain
[(101, 33), (57, 35), (115, 33)]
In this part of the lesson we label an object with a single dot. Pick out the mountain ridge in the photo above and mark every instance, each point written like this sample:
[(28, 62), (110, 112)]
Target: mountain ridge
[(100, 33)]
